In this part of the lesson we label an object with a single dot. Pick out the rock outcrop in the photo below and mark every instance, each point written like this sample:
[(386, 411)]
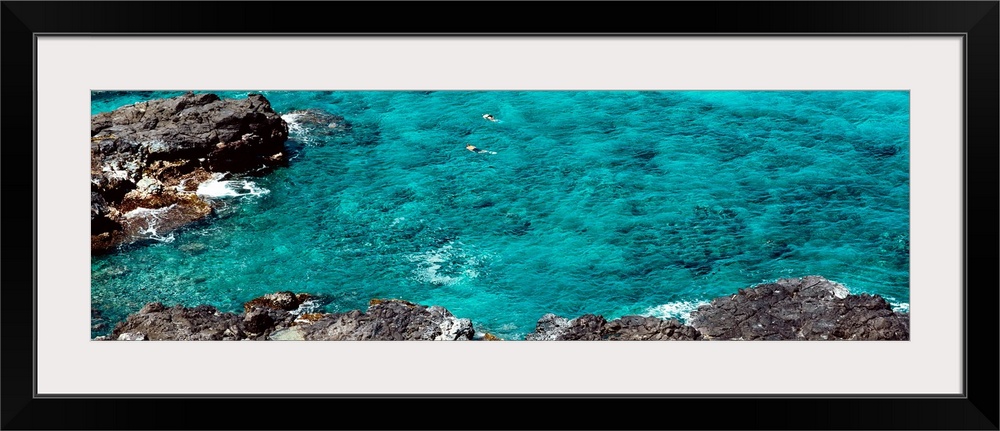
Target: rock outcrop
[(590, 327), (809, 308), (385, 320), (289, 316), (157, 322), (148, 159)]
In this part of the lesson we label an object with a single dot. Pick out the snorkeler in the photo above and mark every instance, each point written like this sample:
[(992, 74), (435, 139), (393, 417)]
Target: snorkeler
[(476, 149), (490, 117)]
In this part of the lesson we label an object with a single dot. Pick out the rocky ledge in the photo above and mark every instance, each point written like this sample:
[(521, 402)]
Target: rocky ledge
[(148, 160), (809, 308), (290, 316)]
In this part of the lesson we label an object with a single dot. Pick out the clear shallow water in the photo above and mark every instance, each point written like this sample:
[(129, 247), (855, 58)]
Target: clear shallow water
[(604, 202)]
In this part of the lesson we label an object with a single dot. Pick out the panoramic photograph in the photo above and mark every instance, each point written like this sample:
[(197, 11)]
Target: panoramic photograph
[(500, 215)]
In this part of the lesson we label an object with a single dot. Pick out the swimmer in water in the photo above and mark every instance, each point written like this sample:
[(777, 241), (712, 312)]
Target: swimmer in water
[(475, 149), (490, 117)]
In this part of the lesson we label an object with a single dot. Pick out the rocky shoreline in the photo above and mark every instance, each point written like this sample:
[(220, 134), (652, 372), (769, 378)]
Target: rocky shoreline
[(149, 159), (807, 308)]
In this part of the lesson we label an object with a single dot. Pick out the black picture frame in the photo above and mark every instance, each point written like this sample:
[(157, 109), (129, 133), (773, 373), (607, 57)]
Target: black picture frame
[(977, 21)]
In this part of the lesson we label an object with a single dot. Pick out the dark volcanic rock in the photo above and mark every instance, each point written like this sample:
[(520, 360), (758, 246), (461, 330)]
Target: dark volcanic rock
[(273, 317), (552, 327), (389, 320), (278, 301), (649, 328), (189, 127), (147, 160), (259, 321), (99, 211), (809, 308), (628, 328), (156, 322)]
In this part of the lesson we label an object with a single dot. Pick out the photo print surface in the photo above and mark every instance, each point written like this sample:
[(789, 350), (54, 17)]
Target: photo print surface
[(500, 215)]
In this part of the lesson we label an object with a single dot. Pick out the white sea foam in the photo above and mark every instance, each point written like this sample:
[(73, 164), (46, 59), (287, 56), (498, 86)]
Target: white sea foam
[(900, 307), (306, 307), (292, 119), (431, 265), (507, 327), (152, 217), (217, 188), (150, 233), (680, 310), (295, 128), (149, 213)]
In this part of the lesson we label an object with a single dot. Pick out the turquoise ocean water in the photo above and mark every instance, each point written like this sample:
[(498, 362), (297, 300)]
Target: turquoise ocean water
[(603, 202)]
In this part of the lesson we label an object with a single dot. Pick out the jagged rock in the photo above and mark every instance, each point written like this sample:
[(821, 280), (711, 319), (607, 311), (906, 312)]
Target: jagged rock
[(279, 301), (635, 328), (157, 322), (261, 321), (192, 126), (148, 158), (549, 327), (99, 211), (552, 327), (590, 327), (808, 308), (391, 320), (258, 321), (269, 318)]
